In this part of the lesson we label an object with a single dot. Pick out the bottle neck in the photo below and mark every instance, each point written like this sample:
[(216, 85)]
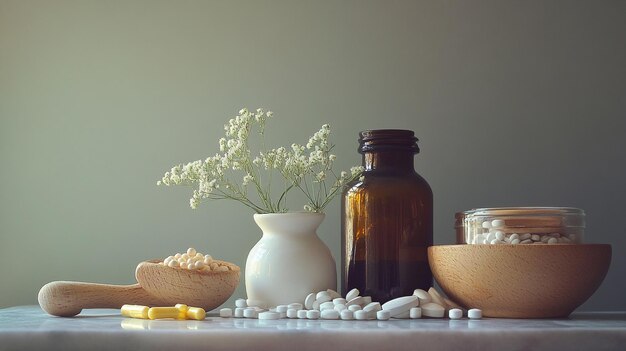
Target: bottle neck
[(389, 161)]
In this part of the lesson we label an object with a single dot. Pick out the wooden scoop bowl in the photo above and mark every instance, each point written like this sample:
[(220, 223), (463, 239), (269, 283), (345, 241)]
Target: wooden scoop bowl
[(158, 285)]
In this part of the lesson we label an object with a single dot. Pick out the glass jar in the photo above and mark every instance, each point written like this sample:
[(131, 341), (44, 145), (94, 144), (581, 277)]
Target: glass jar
[(520, 225), (387, 220)]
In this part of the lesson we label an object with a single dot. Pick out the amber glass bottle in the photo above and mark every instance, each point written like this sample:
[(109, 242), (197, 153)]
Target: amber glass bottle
[(387, 219)]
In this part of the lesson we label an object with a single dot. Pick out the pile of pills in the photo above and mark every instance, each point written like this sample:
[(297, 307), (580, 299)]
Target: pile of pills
[(496, 232), (180, 311), (195, 260), (329, 304)]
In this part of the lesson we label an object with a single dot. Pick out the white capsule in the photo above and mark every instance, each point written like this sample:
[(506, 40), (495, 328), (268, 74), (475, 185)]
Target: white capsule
[(383, 315), (328, 305), (250, 312), (515, 241), (184, 256), (527, 241), (475, 313), (346, 315), (354, 308), (553, 241), (177, 256), (312, 314), (490, 237), (514, 236), (564, 239), (302, 314), (198, 265), (308, 302), (329, 314), (486, 224), (415, 313), (239, 312), (282, 308), (434, 310), (191, 252), (455, 313), (269, 315), (173, 263), (292, 313), (340, 301), (226, 312), (497, 223), (535, 237), (361, 315)]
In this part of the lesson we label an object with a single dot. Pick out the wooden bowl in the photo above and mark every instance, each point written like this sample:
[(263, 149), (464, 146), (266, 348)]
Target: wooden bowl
[(520, 281)]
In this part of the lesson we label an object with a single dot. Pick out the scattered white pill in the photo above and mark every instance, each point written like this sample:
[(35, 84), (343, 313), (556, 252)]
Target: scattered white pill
[(403, 315), (524, 236), (282, 308), (352, 294), (527, 241), (312, 314), (269, 315), (328, 305), (340, 301), (514, 236), (329, 314), (497, 223), (553, 241), (308, 302), (295, 306), (400, 305), (354, 308), (359, 300), (302, 314), (239, 312), (434, 310), (455, 313), (415, 313), (340, 307), (383, 315), (437, 298), (250, 313), (226, 312), (535, 237), (422, 295), (515, 241), (241, 303), (322, 296), (292, 313), (372, 307), (346, 315), (333, 294), (475, 313), (361, 315)]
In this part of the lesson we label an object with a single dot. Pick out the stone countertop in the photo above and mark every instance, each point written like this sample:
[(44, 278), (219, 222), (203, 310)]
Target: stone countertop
[(29, 328)]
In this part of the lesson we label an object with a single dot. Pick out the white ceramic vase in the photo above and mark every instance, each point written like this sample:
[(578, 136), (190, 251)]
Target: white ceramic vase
[(290, 260)]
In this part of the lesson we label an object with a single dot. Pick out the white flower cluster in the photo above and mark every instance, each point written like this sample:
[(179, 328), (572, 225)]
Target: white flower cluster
[(305, 167)]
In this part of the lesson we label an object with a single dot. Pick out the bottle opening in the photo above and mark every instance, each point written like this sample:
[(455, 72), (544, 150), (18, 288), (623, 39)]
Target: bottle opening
[(388, 139)]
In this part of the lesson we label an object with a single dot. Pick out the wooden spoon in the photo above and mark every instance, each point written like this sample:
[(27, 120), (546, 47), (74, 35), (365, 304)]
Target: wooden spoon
[(158, 285)]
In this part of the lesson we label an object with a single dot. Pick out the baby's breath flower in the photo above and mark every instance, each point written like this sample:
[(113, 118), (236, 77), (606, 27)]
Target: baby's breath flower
[(214, 175)]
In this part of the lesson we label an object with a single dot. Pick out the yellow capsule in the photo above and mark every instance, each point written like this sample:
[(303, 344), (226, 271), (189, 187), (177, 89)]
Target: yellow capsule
[(135, 311), (196, 313), (165, 312)]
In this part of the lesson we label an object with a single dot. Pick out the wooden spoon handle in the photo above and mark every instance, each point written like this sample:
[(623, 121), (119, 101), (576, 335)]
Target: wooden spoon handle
[(67, 299)]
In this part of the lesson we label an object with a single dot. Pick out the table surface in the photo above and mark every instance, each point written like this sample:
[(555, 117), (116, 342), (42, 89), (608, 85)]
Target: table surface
[(28, 328)]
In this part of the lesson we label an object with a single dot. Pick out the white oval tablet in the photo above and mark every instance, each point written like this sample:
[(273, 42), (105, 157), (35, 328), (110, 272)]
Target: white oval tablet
[(356, 301), (372, 307), (352, 294), (333, 294), (361, 315), (346, 315), (400, 305), (422, 295), (329, 314), (382, 315), (434, 310), (308, 302)]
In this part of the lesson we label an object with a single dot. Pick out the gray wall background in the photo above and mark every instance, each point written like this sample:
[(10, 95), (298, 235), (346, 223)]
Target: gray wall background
[(514, 102)]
